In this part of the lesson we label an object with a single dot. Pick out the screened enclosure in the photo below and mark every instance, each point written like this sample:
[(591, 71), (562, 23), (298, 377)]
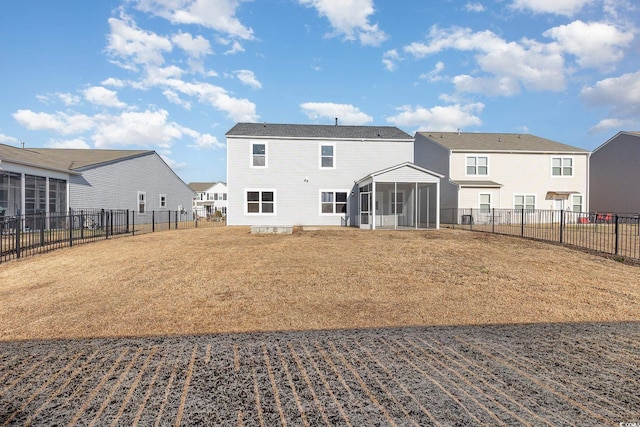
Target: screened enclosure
[(386, 203)]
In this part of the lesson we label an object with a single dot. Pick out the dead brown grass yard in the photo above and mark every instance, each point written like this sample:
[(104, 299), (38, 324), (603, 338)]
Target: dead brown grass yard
[(224, 279)]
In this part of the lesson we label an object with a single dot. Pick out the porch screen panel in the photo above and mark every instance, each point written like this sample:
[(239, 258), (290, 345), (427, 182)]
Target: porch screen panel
[(10, 194), (57, 195), (35, 194)]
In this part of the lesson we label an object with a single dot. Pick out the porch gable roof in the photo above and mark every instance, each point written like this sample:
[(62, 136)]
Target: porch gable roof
[(403, 167)]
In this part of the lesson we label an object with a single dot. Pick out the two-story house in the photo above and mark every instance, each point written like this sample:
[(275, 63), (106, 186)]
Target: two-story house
[(615, 173), (211, 197), (288, 174), (515, 171)]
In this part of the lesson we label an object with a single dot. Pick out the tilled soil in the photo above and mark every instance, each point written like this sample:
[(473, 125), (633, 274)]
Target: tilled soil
[(538, 374)]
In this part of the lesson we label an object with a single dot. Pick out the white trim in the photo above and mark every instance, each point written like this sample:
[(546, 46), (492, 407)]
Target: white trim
[(261, 190), (144, 200), (490, 201), (476, 156), (330, 190), (266, 155), (524, 204), (326, 144), (562, 158)]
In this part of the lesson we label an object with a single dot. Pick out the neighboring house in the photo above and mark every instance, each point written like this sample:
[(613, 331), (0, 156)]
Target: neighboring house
[(58, 179), (515, 171), (210, 197), (288, 174), (615, 174)]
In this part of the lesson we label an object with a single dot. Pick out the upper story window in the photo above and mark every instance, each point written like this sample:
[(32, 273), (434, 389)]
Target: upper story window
[(259, 155), (163, 200), (327, 156), (561, 166), (477, 165), (521, 201)]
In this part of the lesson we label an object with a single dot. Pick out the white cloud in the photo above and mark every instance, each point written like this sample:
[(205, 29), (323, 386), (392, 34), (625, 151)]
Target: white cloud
[(7, 139), (69, 143), (620, 95), (135, 46), (556, 7), (346, 113), (207, 142), (474, 7), (595, 44), (389, 59), (65, 124), (68, 98), (614, 124), (528, 63), (219, 15), (248, 78), (439, 118), (144, 128), (174, 98), (194, 47), (101, 96), (434, 75), (350, 18), (113, 82)]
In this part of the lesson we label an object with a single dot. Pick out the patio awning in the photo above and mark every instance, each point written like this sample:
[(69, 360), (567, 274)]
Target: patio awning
[(477, 184), (564, 195)]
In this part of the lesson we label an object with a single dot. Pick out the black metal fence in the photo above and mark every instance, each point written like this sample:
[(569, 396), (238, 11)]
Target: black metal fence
[(609, 233), (25, 235)]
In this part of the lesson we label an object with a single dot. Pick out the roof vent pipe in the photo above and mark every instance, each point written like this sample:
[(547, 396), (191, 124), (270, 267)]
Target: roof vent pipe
[(458, 131), (336, 121)]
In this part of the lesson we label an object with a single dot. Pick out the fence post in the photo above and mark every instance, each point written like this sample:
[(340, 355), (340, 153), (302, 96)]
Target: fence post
[(617, 235), (71, 225), (176, 220), (127, 220), (18, 238), (471, 219), (111, 221), (561, 225), (42, 224), (133, 222), (493, 220), (81, 224), (153, 221), (522, 222)]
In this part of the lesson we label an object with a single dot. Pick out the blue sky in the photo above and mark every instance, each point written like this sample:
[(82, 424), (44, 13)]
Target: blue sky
[(175, 75)]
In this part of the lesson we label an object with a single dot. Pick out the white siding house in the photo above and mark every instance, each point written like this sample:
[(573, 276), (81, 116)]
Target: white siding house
[(491, 170), (95, 179), (285, 174), (615, 174), (211, 197)]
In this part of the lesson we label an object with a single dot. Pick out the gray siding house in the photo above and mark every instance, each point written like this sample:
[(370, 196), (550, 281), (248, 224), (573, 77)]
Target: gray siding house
[(47, 180), (509, 171), (615, 175), (326, 175)]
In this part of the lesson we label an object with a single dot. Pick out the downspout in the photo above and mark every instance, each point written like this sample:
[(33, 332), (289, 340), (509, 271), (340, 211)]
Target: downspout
[(586, 196)]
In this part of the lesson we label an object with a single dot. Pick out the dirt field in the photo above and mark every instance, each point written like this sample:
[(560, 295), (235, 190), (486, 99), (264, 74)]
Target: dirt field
[(339, 327), (224, 280)]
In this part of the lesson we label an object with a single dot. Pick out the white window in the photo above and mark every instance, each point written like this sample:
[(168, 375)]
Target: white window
[(224, 196), (561, 166), (523, 201), (576, 203), (485, 202), (477, 165), (327, 156), (163, 200), (142, 202), (261, 202), (259, 155), (215, 196), (333, 202)]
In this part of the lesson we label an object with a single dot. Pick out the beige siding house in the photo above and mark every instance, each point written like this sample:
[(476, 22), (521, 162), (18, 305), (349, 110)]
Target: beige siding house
[(510, 171), (615, 174)]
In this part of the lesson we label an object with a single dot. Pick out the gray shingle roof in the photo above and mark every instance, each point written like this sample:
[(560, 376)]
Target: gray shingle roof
[(66, 159), (498, 142), (317, 131)]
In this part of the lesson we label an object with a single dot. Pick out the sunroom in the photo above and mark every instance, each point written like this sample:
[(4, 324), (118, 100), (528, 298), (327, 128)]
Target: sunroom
[(405, 196)]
